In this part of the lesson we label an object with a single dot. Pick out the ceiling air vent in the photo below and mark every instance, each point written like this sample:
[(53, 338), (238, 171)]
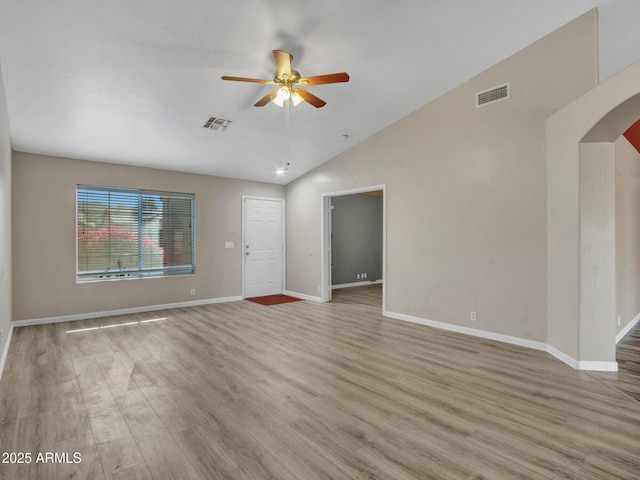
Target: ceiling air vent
[(217, 124), (492, 95)]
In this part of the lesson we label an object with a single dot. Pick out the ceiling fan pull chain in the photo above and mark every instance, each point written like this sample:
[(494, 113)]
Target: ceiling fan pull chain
[(287, 115)]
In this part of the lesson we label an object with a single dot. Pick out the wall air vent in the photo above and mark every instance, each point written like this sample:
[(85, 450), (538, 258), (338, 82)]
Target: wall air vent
[(493, 95), (217, 124)]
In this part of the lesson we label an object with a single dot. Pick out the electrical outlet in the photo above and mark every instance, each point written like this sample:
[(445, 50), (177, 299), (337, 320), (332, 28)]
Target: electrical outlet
[(365, 275), (193, 291), (1, 335), (473, 316), (357, 276), (618, 320)]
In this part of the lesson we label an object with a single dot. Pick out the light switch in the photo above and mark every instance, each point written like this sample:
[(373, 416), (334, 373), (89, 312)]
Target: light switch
[(228, 244)]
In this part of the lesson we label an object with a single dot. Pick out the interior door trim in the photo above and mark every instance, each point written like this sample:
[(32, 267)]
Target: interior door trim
[(325, 253)]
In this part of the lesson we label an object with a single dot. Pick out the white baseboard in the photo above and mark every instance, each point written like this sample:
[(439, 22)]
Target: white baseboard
[(5, 352), (303, 296), (627, 328), (356, 284), (122, 311), (598, 366), (582, 364), (563, 357), (523, 342)]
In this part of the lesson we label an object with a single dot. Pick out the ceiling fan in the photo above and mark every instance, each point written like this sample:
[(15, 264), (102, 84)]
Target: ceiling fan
[(289, 83)]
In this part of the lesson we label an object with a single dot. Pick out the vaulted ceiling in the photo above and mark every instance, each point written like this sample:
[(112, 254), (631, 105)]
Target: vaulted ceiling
[(134, 82)]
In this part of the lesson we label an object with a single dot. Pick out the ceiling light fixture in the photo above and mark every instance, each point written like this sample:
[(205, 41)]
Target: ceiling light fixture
[(296, 98), (283, 95), (283, 170), (285, 79), (287, 93)]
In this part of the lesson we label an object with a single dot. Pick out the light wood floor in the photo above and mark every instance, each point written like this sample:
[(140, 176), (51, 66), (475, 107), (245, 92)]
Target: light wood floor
[(303, 391), (369, 295), (627, 378)]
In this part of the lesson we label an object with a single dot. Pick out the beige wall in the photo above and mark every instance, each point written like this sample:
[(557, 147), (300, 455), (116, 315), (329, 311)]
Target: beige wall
[(466, 193), (5, 221), (44, 237), (627, 166), (597, 249), (601, 115)]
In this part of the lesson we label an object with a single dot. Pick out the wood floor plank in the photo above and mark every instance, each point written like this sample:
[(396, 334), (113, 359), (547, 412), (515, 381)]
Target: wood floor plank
[(108, 425), (119, 455), (165, 459), (137, 472), (264, 467), (213, 460), (89, 467), (144, 421), (309, 391), (628, 358)]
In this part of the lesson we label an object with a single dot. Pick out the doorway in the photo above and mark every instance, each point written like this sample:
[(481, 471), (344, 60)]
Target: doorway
[(352, 272), (262, 246), (578, 334)]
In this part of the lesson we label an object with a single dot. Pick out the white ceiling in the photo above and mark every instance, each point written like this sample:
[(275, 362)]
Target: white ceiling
[(132, 82)]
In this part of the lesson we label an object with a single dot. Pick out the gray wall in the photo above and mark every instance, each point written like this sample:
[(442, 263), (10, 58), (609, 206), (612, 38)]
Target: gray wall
[(356, 243), (5, 220)]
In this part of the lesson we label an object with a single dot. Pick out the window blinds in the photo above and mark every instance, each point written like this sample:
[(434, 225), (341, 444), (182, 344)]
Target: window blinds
[(125, 233)]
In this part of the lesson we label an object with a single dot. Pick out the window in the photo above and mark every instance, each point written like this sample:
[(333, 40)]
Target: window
[(134, 233)]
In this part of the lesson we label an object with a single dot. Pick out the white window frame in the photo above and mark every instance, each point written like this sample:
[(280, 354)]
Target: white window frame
[(141, 272)]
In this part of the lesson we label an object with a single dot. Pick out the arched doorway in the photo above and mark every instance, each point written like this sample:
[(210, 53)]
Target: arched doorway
[(581, 316)]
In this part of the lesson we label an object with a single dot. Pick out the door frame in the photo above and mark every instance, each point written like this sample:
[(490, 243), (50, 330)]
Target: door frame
[(284, 238), (325, 250)]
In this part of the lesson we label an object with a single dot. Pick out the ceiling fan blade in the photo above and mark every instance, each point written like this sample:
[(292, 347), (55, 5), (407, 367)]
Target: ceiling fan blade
[(322, 79), (266, 99), (283, 62), (311, 98), (251, 80)]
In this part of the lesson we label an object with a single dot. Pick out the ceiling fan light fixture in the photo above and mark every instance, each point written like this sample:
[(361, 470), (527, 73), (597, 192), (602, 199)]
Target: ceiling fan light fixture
[(296, 98), (285, 94), (286, 79), (282, 96)]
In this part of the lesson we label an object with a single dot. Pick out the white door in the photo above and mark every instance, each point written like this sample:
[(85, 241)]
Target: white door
[(263, 247)]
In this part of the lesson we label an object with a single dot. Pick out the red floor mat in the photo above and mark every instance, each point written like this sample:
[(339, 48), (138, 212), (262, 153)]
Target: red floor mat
[(273, 300)]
